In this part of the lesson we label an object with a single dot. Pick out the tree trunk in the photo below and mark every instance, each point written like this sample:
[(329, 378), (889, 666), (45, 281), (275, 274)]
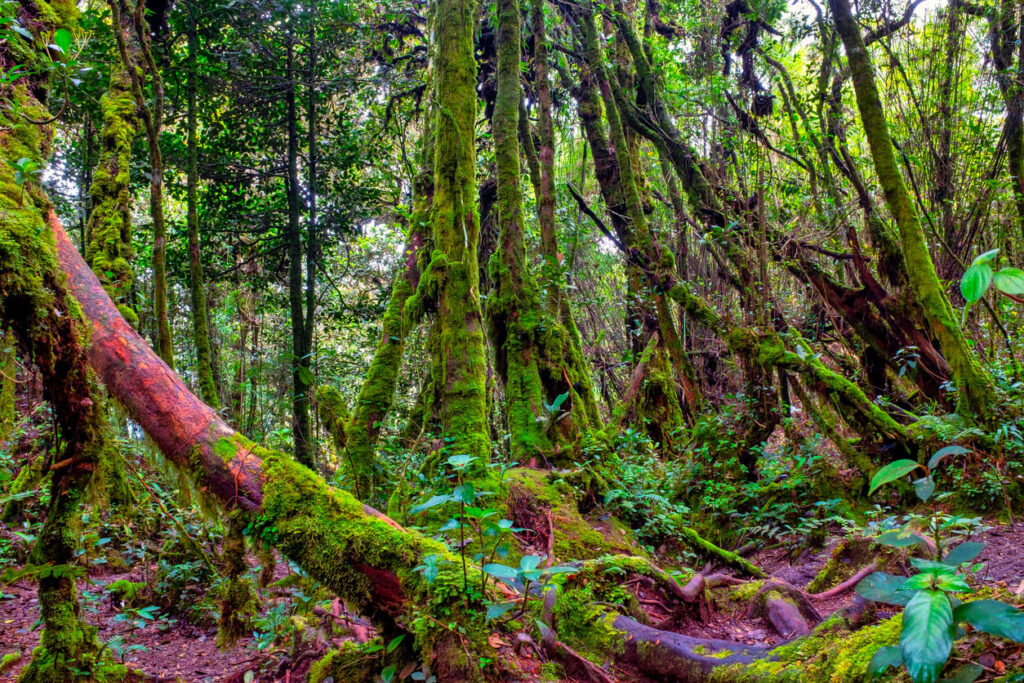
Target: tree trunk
[(301, 434), (109, 227), (973, 382), (452, 278), (197, 285)]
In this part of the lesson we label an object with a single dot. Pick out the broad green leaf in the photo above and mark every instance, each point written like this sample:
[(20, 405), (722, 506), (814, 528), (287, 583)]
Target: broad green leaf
[(884, 658), (388, 674), (965, 552), (892, 472), (460, 461), (938, 456), (559, 400), (985, 258), (62, 38), (1009, 280), (927, 636), (920, 581), (433, 502), (501, 571), (899, 539), (883, 587), (924, 488), (496, 609), (953, 583), (924, 565), (465, 493), (994, 617), (530, 562), (975, 282), (305, 375)]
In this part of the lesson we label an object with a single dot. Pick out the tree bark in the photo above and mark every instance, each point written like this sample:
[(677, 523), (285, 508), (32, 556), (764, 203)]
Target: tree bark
[(301, 434), (197, 284)]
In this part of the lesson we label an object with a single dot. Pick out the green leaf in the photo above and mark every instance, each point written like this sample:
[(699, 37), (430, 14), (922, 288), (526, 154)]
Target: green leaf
[(496, 609), (884, 658), (985, 258), (975, 282), (952, 583), (965, 552), (899, 539), (433, 502), (883, 587), (924, 488), (968, 673), (1010, 280), (530, 562), (501, 571), (559, 400), (305, 375), (62, 38), (892, 472), (460, 462), (388, 674), (994, 617), (465, 493), (395, 642), (927, 636), (938, 456)]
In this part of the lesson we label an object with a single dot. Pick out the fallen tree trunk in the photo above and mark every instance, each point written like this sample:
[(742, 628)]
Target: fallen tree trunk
[(355, 551)]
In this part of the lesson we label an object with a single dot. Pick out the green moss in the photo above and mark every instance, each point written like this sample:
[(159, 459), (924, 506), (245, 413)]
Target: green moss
[(350, 662), (576, 537), (28, 478), (9, 660), (130, 593), (847, 558), (109, 250), (831, 654)]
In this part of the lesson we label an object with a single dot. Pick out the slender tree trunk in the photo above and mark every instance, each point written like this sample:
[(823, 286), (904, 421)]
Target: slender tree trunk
[(197, 284), (300, 360), (137, 57), (973, 382)]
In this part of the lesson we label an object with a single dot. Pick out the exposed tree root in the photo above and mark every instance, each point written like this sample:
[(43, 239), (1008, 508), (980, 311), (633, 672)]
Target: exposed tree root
[(676, 657)]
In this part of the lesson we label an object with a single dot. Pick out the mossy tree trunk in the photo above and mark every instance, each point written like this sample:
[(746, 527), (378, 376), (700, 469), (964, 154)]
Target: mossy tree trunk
[(529, 341), (975, 386), (451, 279), (197, 284), (109, 227), (46, 323), (8, 376)]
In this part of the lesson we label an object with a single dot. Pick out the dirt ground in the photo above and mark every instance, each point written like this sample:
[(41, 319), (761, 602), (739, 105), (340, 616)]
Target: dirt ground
[(177, 651)]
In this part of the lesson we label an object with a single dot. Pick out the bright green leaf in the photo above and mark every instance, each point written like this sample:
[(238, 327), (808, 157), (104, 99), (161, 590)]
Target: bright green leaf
[(975, 282), (892, 472), (927, 636)]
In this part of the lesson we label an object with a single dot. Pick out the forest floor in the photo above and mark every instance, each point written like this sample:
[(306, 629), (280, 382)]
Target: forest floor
[(177, 651)]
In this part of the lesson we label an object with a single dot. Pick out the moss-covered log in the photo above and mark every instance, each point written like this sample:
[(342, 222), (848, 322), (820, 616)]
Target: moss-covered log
[(351, 548)]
